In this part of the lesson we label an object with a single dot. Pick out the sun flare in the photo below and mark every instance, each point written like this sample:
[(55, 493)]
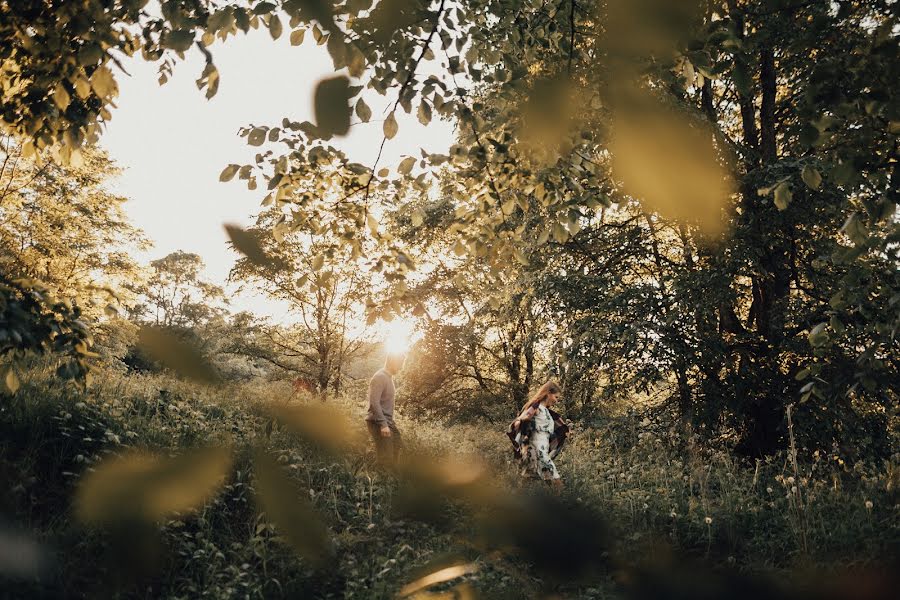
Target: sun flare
[(400, 335)]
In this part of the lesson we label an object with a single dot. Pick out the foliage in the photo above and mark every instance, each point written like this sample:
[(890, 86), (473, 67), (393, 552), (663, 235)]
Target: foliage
[(655, 484), (33, 321), (177, 295), (324, 301), (63, 238)]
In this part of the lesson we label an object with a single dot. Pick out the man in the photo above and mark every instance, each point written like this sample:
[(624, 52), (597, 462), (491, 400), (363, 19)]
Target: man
[(380, 419)]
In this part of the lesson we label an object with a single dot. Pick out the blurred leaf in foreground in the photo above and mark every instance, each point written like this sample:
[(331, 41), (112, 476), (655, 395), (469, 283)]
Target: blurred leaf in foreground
[(21, 557), (433, 577), (564, 541), (143, 486), (248, 244), (286, 506), (668, 161), (176, 354), (332, 105), (323, 427), (427, 486)]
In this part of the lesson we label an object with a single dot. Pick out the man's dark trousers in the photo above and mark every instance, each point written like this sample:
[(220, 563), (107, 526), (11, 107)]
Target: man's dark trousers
[(387, 448)]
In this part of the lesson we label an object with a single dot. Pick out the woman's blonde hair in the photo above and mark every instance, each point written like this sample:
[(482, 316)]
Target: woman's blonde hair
[(551, 387)]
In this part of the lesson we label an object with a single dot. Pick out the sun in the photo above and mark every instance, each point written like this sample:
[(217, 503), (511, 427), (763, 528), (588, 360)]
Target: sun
[(400, 335)]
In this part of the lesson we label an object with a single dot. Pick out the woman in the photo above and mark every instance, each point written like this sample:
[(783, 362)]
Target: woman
[(538, 434)]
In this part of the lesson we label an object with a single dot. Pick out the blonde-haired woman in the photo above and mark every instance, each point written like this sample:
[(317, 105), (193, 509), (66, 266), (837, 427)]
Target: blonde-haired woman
[(538, 434)]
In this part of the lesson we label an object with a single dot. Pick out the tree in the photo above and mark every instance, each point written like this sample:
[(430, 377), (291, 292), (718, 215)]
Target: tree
[(177, 295), (763, 151), (65, 244), (62, 227), (327, 301)]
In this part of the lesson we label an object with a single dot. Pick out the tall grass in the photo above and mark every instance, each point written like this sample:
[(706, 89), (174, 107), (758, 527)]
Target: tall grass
[(654, 486)]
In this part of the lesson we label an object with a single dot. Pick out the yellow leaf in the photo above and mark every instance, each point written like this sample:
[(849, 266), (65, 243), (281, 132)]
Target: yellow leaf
[(783, 195), (671, 165), (293, 515), (228, 173), (176, 354), (390, 126), (811, 177), (318, 262), (61, 97), (439, 576), (297, 37), (103, 82), (11, 381), (363, 111), (151, 487), (356, 61), (406, 165)]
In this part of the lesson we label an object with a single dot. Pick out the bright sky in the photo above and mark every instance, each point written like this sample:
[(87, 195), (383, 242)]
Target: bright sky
[(173, 143)]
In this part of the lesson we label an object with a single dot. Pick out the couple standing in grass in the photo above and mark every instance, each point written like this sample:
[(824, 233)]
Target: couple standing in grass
[(537, 434)]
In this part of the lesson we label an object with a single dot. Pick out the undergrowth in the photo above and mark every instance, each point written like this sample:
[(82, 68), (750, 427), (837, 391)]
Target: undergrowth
[(656, 488)]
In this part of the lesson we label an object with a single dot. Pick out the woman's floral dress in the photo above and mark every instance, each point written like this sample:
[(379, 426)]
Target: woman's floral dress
[(538, 457)]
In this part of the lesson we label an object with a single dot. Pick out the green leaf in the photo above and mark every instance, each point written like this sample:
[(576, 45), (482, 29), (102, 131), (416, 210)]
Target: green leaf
[(297, 37), (338, 51), (811, 177), (837, 325), (406, 165), (61, 97), (783, 195), (228, 173), (179, 40), (247, 244), (332, 106), (424, 113), (818, 336), (854, 229), (257, 136), (363, 111), (356, 61), (741, 77), (275, 27), (89, 55), (390, 126)]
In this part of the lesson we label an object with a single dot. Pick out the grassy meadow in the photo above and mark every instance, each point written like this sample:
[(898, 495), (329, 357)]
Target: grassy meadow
[(663, 499)]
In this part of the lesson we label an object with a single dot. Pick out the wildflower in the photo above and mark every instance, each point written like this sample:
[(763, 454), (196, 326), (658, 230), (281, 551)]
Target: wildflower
[(708, 520), (790, 480), (794, 489), (869, 505), (673, 514), (769, 489)]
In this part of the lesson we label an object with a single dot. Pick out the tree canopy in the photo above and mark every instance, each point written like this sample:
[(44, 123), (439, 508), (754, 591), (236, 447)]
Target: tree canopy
[(699, 192)]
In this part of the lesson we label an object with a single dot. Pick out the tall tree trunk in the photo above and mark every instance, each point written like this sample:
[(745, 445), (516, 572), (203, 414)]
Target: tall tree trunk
[(771, 287)]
